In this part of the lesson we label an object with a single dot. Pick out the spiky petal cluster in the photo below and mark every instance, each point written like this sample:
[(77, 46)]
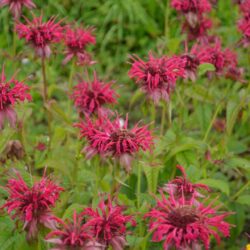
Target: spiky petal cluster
[(76, 40), (192, 9), (157, 76), (244, 27), (15, 6), (198, 31), (31, 205), (40, 35), (11, 92), (108, 224), (185, 224), (182, 186), (114, 138), (91, 97), (72, 235)]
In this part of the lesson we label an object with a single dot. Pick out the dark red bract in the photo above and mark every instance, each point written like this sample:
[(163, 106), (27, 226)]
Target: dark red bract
[(32, 205), (114, 138), (11, 92), (91, 97), (184, 224), (16, 6), (108, 224), (40, 34), (76, 40), (157, 76)]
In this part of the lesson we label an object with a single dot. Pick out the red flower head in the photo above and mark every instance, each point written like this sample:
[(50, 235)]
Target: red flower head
[(184, 224), (157, 76), (15, 6), (113, 138), (244, 27), (181, 186), (199, 31), (73, 235), (32, 205), (40, 35), (192, 9), (108, 224), (245, 7), (211, 53), (90, 98), (11, 92), (76, 41)]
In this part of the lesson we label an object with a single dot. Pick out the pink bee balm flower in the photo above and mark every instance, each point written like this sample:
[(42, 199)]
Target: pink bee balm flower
[(76, 41), (113, 138), (40, 34), (157, 76), (91, 97), (181, 186), (31, 205), (245, 7), (11, 92), (192, 9), (244, 27), (15, 6), (184, 224), (108, 224), (73, 235), (199, 31)]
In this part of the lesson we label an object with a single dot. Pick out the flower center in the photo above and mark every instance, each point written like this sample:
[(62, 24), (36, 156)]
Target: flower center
[(182, 216)]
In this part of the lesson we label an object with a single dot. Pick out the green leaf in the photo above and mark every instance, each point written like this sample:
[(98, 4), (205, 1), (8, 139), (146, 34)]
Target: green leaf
[(244, 199), (233, 109), (238, 162), (204, 68), (218, 184), (71, 209)]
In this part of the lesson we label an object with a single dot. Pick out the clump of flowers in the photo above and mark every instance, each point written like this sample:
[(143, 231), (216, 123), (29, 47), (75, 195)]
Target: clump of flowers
[(15, 6), (11, 93), (73, 234), (192, 9), (76, 40), (108, 224), (31, 205), (157, 76), (244, 27), (40, 35), (91, 97), (114, 138), (183, 223)]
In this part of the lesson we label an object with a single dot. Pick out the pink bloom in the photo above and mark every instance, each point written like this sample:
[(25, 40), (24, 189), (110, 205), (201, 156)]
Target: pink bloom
[(72, 235), (192, 9), (32, 205), (15, 6), (181, 186), (112, 138), (76, 41), (245, 7), (108, 224), (244, 27), (211, 53), (40, 146), (199, 31), (40, 34), (184, 224), (11, 92), (91, 97), (157, 76)]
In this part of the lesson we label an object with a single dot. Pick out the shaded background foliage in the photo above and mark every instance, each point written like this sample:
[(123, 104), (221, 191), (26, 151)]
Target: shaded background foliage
[(123, 28)]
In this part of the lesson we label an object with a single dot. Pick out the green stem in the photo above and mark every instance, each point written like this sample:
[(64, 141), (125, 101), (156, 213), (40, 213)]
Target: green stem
[(169, 114), (45, 100), (212, 122), (70, 83), (240, 191), (138, 185), (166, 29), (14, 40), (163, 118), (152, 114)]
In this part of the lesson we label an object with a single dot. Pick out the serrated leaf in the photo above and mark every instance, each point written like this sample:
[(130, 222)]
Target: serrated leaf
[(218, 184)]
